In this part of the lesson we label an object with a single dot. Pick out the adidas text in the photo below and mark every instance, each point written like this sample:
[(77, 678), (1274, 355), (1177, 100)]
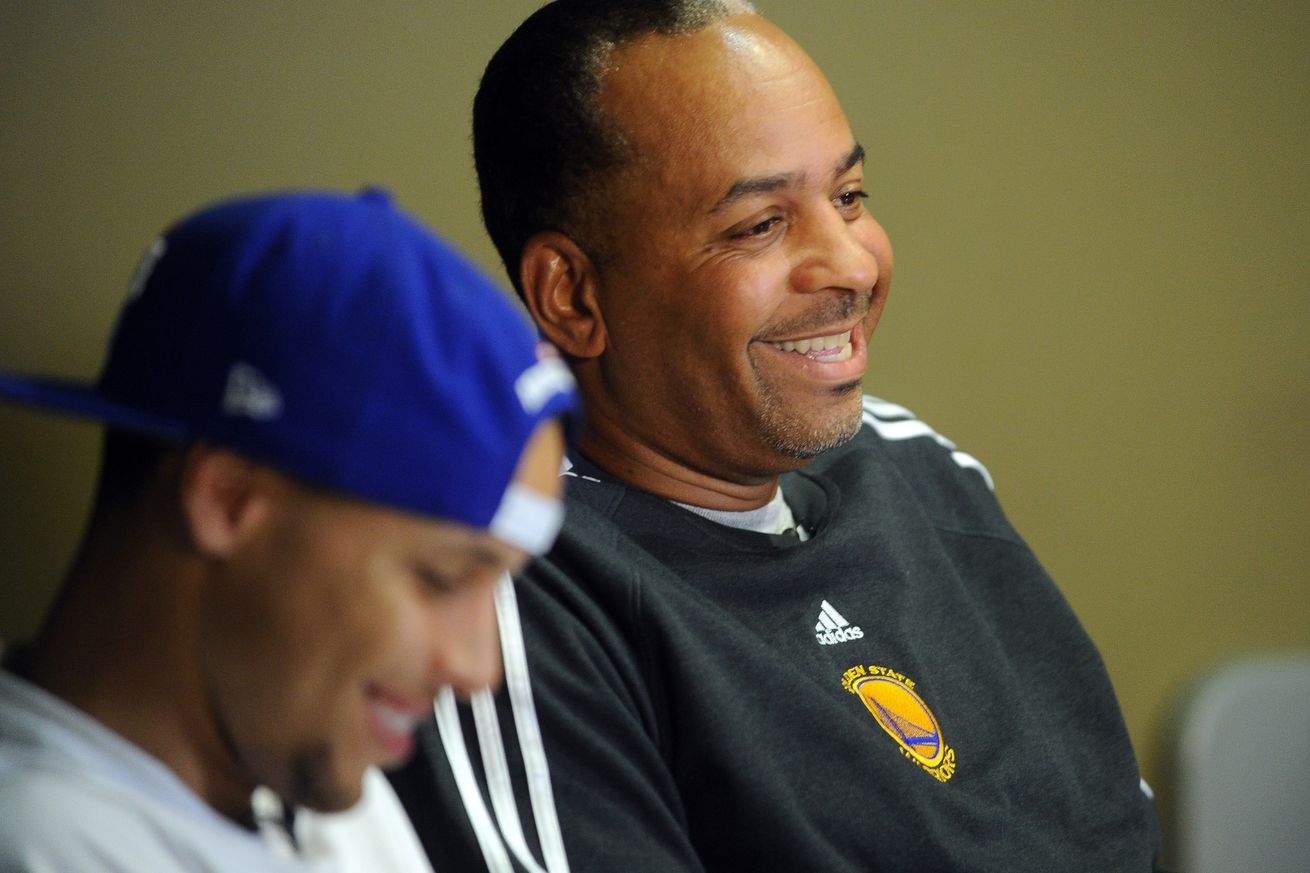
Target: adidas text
[(840, 635)]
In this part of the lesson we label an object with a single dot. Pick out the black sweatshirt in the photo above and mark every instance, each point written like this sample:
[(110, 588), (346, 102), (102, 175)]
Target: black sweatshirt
[(906, 691)]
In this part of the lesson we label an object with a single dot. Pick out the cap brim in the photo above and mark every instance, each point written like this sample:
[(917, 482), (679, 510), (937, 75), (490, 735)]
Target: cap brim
[(80, 399)]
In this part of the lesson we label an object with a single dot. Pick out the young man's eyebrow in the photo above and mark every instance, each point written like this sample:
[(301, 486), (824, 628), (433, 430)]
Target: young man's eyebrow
[(764, 184)]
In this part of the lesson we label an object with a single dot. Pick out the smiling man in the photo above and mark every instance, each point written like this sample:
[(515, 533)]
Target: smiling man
[(739, 231), (786, 626), (329, 439)]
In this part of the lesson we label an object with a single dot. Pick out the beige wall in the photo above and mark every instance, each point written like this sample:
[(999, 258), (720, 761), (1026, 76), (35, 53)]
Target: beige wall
[(1100, 213)]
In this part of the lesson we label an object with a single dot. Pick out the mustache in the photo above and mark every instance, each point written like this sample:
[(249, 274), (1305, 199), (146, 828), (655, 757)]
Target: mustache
[(824, 315)]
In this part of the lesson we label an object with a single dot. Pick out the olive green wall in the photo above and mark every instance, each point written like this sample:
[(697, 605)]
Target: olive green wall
[(1100, 213)]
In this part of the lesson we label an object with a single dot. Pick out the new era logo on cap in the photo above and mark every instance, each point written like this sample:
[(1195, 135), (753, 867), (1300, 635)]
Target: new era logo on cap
[(250, 394)]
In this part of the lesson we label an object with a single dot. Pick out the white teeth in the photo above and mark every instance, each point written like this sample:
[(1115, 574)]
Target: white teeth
[(840, 341), (394, 720)]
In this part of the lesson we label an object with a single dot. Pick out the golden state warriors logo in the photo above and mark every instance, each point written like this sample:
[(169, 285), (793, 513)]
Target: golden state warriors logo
[(891, 699)]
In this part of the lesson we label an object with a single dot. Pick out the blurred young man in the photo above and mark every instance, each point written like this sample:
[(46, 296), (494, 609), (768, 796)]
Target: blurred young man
[(328, 439), (786, 626)]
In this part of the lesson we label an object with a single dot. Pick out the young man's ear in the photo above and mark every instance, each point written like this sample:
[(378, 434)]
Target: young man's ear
[(223, 498), (559, 287)]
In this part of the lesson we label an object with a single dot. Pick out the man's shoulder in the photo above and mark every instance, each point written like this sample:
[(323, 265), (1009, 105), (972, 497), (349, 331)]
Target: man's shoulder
[(896, 459), (613, 548), (603, 511), (57, 820), (30, 792), (900, 435), (587, 485), (603, 542)]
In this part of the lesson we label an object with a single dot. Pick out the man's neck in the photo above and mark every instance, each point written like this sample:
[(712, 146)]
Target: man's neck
[(129, 662), (642, 467)]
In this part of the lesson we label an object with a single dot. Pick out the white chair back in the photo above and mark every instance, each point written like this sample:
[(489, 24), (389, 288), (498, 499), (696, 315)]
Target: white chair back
[(1244, 769)]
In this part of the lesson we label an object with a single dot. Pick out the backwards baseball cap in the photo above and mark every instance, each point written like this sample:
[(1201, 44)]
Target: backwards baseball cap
[(336, 339)]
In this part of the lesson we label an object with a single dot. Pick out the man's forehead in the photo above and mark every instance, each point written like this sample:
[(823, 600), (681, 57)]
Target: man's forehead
[(707, 114), (705, 144), (698, 70)]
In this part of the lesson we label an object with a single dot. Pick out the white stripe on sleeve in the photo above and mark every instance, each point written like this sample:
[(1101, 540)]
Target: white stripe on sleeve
[(529, 730), (452, 740)]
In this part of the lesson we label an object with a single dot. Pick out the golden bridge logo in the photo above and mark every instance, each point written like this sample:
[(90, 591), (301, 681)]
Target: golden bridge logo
[(891, 699)]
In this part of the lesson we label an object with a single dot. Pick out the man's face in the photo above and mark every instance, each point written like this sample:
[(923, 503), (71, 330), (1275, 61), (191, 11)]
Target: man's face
[(734, 240), (334, 628)]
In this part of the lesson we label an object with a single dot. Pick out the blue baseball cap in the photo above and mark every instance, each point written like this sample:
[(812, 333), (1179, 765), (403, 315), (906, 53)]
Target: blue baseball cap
[(334, 338)]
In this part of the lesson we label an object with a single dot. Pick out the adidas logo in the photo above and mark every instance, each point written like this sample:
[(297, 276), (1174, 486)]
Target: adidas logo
[(833, 629)]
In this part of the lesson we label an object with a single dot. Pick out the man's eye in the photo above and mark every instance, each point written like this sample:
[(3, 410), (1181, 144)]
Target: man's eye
[(851, 199), (435, 581), (759, 229)]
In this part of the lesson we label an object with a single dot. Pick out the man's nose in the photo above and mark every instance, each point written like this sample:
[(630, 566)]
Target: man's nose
[(466, 648), (834, 254)]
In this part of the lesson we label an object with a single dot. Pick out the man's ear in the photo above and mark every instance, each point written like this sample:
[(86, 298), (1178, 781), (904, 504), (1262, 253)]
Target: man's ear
[(223, 495), (559, 286)]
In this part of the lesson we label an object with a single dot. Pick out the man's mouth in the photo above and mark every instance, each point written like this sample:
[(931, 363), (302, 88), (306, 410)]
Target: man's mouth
[(394, 722), (834, 347)]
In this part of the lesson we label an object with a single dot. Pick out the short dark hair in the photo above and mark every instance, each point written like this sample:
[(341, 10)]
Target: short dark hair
[(539, 139), (129, 463)]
